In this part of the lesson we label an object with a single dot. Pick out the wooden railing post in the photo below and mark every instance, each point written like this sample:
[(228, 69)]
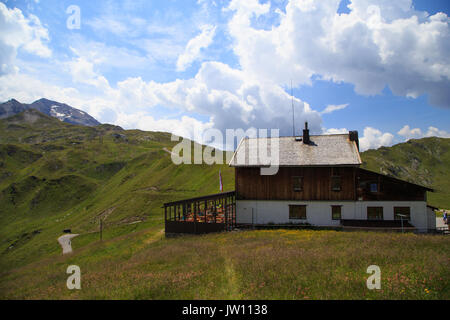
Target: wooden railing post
[(226, 214), (195, 216), (215, 211), (234, 210)]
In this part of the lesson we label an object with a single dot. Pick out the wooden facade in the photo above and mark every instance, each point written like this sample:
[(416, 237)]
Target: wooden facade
[(388, 188), (324, 184)]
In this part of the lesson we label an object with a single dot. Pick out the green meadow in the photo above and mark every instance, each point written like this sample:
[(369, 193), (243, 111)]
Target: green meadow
[(55, 176), (142, 264)]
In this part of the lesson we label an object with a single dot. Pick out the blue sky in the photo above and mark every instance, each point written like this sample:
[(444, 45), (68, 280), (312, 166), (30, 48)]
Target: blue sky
[(380, 67)]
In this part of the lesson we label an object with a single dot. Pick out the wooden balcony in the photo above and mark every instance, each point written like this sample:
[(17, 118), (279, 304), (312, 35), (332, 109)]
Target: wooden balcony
[(211, 213)]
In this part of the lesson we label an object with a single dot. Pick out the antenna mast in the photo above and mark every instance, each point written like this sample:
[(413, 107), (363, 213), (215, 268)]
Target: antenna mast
[(293, 121)]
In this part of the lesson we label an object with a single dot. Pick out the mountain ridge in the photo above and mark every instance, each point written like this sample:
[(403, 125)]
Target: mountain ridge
[(60, 111)]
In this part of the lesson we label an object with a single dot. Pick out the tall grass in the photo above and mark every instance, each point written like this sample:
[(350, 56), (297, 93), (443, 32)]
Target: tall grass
[(276, 264)]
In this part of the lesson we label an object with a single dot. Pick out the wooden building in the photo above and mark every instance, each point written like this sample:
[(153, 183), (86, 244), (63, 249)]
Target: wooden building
[(319, 182)]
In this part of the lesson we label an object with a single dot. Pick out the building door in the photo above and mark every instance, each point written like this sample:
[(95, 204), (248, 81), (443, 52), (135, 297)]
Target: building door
[(245, 215)]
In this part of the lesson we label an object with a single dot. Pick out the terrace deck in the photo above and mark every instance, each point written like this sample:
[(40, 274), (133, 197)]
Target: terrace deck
[(212, 213)]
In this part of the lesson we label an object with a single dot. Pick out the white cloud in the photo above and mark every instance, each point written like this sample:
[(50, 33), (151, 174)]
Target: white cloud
[(108, 24), (435, 132), (194, 46), (373, 46), (184, 127), (122, 25), (416, 133), (374, 138), (162, 35), (109, 56), (334, 131), (161, 49), (223, 94), (20, 32), (408, 133), (331, 108), (379, 43), (82, 71)]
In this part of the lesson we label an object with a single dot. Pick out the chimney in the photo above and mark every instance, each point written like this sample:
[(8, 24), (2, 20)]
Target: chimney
[(306, 134), (353, 136)]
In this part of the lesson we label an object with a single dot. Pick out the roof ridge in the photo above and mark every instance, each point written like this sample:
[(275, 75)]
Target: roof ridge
[(313, 135), (331, 149)]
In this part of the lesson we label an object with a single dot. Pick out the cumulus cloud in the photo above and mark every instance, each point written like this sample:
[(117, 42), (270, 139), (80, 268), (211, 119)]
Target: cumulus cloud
[(331, 108), (374, 138), (435, 132), (194, 46), (188, 127), (225, 95), (20, 32), (82, 71), (222, 95), (379, 43), (416, 133), (28, 89), (334, 131), (409, 133)]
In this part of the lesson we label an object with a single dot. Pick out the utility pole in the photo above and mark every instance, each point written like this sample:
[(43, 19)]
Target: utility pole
[(401, 219), (293, 118)]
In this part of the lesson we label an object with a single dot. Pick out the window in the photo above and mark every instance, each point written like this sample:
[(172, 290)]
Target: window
[(336, 212), (336, 179), (374, 213), (336, 183), (373, 187), (404, 211), (297, 212), (297, 183)]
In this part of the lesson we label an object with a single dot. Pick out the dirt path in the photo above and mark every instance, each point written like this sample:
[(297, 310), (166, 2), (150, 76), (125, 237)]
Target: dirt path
[(232, 280), (233, 287), (157, 236), (168, 151), (65, 242)]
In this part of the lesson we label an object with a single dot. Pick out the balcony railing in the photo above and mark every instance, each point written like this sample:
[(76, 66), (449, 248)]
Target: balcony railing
[(211, 213)]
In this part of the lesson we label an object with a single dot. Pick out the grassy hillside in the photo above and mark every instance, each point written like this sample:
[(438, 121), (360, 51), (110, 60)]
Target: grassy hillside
[(277, 264), (424, 161), (55, 176)]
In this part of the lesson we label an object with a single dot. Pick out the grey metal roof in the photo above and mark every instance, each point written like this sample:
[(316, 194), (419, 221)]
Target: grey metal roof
[(324, 150)]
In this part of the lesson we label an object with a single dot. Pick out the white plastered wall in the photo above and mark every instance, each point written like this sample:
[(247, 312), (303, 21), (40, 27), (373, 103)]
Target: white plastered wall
[(319, 212)]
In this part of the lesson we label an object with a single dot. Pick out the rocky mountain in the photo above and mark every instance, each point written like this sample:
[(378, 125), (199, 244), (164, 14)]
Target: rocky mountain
[(51, 108)]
